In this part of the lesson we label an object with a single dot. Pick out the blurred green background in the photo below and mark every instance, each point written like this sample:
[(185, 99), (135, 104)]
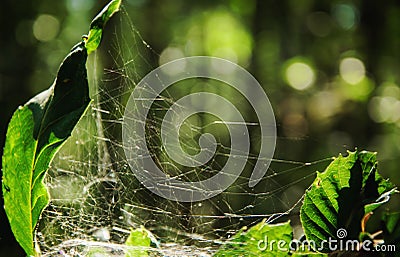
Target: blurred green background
[(330, 68)]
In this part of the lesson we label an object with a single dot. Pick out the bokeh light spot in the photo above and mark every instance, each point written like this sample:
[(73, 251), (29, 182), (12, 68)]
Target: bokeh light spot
[(352, 70), (384, 109), (300, 75), (324, 105), (389, 89), (46, 27), (359, 92), (345, 15), (227, 37), (170, 54)]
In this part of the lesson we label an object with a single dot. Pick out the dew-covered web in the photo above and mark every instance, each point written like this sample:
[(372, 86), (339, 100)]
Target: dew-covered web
[(97, 200)]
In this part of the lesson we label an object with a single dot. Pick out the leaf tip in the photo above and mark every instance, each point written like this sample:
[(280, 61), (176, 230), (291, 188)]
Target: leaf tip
[(93, 39)]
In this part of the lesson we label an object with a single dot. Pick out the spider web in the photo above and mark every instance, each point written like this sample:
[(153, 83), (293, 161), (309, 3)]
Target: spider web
[(97, 200)]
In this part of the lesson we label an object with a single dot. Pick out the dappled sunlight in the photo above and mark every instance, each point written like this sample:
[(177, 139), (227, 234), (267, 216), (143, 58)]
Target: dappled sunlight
[(345, 15), (46, 27), (352, 70), (299, 75), (385, 107)]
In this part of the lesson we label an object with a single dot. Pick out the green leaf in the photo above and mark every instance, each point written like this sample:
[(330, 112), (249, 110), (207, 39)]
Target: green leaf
[(340, 196), (98, 23), (36, 131), (391, 230), (138, 240), (260, 240)]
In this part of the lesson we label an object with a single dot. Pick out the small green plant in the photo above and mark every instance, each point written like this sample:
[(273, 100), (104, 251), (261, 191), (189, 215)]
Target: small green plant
[(38, 129), (137, 242)]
